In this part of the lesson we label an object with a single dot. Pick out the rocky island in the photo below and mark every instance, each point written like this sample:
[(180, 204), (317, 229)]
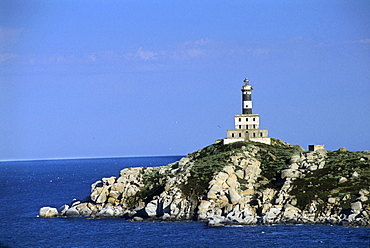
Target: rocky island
[(238, 183)]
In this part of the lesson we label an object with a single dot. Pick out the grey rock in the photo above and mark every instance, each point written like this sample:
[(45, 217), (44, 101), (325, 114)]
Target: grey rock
[(106, 212), (63, 209), (151, 208), (342, 180), (72, 212), (48, 212), (356, 207)]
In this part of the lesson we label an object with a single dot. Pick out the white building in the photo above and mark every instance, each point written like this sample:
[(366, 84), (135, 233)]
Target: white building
[(247, 125)]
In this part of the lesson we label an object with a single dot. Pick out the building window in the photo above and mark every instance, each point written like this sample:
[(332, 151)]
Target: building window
[(240, 119), (232, 135), (246, 127), (254, 134), (240, 126), (246, 119), (254, 126), (261, 135), (240, 134), (254, 119)]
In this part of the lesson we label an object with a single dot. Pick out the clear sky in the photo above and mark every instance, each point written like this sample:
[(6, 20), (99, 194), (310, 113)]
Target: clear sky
[(131, 78)]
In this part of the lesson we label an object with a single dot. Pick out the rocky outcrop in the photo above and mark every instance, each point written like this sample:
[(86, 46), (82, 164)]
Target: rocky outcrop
[(240, 183)]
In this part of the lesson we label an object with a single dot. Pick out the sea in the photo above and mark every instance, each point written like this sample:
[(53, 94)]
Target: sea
[(26, 186)]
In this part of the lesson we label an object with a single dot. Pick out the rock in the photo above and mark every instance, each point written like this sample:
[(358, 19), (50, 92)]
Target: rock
[(271, 215), (342, 180), (72, 212), (334, 191), (202, 209), (215, 189), (229, 170), (249, 216), (103, 195), (346, 197), (290, 173), (363, 192), (248, 192), (239, 173), (137, 218), (241, 191), (83, 209), (268, 195), (151, 208), (294, 159), (63, 209), (356, 207), (351, 217), (106, 212), (232, 182), (363, 198), (291, 213), (294, 166), (233, 196), (75, 202), (48, 212), (342, 149), (216, 221), (108, 181)]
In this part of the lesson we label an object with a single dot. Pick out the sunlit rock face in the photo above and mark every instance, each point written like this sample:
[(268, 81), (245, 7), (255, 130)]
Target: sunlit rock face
[(243, 183)]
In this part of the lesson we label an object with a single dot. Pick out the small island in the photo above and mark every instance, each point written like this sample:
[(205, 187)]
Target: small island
[(247, 178)]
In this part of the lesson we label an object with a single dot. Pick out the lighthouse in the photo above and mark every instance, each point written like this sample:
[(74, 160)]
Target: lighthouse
[(247, 97), (247, 124)]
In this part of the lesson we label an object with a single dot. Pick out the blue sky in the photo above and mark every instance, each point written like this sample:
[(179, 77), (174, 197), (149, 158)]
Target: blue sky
[(131, 78)]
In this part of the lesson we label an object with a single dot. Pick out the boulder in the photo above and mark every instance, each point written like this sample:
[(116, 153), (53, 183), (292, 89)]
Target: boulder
[(216, 221), (106, 212), (232, 182), (71, 212), (215, 189), (48, 212), (363, 192), (229, 169), (291, 213), (108, 181), (290, 173), (233, 196), (151, 208), (103, 195), (137, 218), (63, 209), (356, 207), (271, 215), (342, 180), (355, 174)]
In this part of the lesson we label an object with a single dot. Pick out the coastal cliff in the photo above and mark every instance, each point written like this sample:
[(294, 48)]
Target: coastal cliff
[(238, 183)]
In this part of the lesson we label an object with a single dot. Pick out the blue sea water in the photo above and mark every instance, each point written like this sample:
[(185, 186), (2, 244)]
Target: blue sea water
[(25, 186)]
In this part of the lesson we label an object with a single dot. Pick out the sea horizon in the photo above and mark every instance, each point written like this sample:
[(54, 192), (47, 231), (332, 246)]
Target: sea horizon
[(82, 158)]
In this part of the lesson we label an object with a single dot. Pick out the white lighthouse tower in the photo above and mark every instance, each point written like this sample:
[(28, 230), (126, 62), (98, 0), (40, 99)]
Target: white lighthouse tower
[(247, 97), (247, 125)]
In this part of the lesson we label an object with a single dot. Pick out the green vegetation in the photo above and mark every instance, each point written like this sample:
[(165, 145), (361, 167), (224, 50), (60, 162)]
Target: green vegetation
[(209, 161), (202, 172), (324, 183), (154, 185), (213, 158), (274, 158), (316, 185)]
